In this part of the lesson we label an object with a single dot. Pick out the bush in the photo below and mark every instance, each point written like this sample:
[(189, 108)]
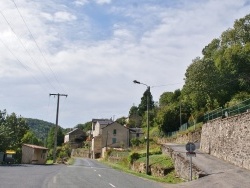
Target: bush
[(135, 142), (134, 156)]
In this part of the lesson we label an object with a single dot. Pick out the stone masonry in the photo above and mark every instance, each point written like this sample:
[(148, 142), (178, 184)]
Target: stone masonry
[(228, 139), (182, 165)]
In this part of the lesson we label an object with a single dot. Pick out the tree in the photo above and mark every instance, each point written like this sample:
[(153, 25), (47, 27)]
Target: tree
[(133, 110), (168, 118), (232, 58), (50, 139), (30, 138), (121, 120), (85, 127), (203, 82), (168, 98), (142, 108), (12, 130), (17, 129)]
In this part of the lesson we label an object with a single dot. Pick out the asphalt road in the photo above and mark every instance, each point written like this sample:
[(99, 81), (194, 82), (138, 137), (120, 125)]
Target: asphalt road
[(220, 173), (85, 173), (27, 176)]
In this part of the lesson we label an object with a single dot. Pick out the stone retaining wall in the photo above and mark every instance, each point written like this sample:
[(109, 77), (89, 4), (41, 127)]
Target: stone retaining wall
[(228, 139), (182, 164)]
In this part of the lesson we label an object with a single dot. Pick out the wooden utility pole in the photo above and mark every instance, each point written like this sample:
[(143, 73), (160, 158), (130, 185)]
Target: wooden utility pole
[(56, 127)]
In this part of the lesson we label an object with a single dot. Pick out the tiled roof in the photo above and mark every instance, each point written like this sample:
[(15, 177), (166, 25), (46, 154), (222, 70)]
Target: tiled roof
[(118, 124), (35, 146), (74, 131), (103, 121)]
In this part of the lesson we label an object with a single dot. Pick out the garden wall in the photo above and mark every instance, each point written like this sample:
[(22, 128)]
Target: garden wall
[(228, 139), (182, 164)]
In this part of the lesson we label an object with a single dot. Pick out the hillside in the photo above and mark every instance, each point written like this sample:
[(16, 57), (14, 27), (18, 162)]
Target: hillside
[(39, 127)]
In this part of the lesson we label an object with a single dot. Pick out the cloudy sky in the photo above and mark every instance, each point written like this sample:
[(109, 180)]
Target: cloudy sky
[(92, 50)]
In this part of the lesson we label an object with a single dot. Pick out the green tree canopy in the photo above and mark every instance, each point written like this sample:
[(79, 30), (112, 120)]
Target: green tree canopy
[(142, 108), (30, 138), (50, 139)]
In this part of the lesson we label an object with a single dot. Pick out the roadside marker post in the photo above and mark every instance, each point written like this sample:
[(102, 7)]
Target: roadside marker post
[(190, 147)]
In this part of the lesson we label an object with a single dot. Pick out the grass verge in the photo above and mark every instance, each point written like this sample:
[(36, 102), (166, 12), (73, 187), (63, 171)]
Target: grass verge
[(170, 178)]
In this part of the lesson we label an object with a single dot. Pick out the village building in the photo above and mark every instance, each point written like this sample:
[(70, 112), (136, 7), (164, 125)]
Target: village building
[(33, 154), (96, 144), (75, 138)]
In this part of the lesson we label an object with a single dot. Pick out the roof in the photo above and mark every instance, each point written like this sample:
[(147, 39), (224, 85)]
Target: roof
[(76, 129), (103, 121), (34, 146), (114, 123)]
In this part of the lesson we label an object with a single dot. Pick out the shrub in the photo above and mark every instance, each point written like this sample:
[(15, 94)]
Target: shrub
[(133, 157), (135, 142)]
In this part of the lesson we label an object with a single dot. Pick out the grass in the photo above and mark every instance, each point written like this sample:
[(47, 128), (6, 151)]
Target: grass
[(49, 162), (71, 161), (156, 159), (159, 160), (170, 178), (192, 128)]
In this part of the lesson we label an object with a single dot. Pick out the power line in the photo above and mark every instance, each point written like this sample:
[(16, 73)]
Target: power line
[(20, 41), (167, 85), (38, 46), (20, 62)]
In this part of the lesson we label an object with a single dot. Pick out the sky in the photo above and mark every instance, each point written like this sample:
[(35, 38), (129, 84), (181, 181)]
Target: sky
[(92, 50)]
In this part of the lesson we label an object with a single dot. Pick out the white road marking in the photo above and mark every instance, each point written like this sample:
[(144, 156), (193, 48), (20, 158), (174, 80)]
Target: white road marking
[(99, 175), (95, 170), (111, 184), (88, 162)]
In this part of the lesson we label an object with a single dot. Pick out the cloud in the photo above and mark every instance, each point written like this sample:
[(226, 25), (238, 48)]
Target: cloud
[(95, 52), (61, 16), (81, 2), (103, 1)]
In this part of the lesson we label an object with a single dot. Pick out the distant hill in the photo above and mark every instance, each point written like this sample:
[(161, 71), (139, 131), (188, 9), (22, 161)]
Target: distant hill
[(39, 127)]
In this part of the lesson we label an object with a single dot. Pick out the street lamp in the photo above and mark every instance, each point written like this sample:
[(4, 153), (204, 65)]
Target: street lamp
[(147, 149)]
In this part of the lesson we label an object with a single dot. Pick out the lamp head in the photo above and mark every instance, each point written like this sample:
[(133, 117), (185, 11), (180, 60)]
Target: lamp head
[(136, 82)]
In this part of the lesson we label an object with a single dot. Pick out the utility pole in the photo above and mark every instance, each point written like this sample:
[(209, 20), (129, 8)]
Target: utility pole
[(56, 127)]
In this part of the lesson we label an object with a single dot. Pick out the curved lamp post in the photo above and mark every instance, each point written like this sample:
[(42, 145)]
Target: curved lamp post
[(147, 149)]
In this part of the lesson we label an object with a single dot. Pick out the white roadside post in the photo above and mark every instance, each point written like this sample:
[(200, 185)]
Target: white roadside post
[(190, 147)]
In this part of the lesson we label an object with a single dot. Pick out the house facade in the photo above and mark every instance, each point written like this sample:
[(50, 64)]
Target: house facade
[(115, 135), (75, 138), (109, 134), (96, 143), (33, 154)]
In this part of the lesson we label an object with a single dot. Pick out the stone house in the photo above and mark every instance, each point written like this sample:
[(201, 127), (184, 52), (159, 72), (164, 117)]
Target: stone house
[(96, 143), (33, 154), (109, 134), (75, 138), (115, 135)]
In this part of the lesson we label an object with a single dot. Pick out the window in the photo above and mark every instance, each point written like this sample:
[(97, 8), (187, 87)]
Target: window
[(113, 140), (114, 132)]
